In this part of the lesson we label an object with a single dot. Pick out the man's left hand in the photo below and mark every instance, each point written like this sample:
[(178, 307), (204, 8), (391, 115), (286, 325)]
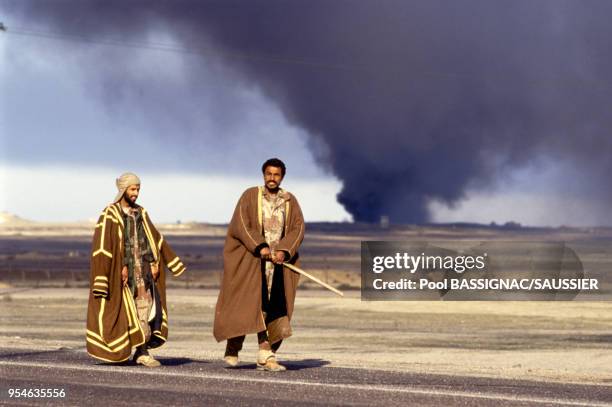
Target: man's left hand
[(154, 271), (279, 257)]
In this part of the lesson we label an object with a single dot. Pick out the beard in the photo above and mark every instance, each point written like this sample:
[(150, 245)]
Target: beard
[(272, 187), (130, 202)]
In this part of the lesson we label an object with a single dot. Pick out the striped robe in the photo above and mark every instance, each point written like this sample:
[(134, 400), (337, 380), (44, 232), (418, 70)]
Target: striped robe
[(112, 323)]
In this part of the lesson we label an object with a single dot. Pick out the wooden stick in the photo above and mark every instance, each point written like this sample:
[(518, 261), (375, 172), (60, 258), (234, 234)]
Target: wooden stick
[(313, 278)]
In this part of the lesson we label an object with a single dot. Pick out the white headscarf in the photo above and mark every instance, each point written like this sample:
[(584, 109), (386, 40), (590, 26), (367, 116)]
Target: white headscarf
[(123, 182)]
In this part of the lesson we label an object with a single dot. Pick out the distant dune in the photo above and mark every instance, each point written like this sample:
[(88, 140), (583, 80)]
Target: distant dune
[(8, 219), (13, 225)]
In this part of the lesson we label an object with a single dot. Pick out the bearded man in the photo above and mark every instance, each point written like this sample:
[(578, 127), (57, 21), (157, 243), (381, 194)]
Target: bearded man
[(257, 292), (127, 300)]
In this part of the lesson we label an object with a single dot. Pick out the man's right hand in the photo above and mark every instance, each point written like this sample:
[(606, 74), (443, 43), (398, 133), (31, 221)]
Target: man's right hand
[(124, 275), (265, 253)]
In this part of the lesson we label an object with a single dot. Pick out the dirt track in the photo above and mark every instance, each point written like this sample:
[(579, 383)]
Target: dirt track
[(555, 341)]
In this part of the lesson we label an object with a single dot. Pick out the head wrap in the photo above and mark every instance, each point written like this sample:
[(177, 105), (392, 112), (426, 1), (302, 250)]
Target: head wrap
[(123, 182)]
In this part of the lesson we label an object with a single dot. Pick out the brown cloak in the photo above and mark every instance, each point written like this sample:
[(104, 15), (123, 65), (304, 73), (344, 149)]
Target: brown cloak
[(112, 322), (238, 310)]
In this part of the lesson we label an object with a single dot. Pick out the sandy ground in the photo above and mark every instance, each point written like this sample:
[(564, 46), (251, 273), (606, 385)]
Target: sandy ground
[(567, 342), (552, 341)]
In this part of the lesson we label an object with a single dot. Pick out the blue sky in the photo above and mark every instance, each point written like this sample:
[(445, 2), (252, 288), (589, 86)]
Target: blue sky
[(64, 143)]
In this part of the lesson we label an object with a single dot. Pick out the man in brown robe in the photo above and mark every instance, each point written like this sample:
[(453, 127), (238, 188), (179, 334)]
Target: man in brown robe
[(257, 292), (127, 300)]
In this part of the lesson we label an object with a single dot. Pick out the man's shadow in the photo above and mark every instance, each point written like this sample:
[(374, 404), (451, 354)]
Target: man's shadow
[(289, 364), (180, 361), (165, 361), (171, 362)]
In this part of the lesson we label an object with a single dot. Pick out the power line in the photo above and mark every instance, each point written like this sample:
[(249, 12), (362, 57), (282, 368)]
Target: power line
[(229, 54), (172, 48), (583, 83)]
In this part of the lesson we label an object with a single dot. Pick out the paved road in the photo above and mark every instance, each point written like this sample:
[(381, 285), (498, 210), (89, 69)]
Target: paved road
[(182, 381)]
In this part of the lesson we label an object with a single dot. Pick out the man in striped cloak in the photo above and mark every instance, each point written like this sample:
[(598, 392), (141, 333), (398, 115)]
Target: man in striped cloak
[(127, 299), (257, 292)]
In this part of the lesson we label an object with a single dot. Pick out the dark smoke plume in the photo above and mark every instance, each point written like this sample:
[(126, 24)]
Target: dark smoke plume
[(405, 101)]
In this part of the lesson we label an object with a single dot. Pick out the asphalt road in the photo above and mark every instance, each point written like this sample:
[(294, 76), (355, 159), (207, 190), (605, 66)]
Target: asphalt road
[(183, 381)]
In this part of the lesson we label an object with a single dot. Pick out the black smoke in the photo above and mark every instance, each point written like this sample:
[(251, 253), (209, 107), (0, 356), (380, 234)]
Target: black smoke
[(405, 101)]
